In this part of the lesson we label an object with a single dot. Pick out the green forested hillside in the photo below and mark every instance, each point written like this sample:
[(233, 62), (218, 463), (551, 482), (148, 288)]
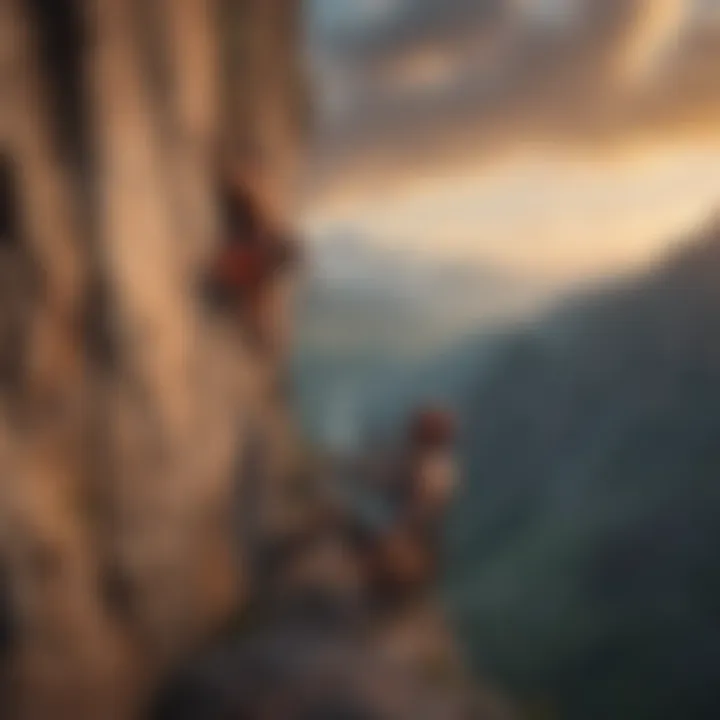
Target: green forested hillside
[(585, 551)]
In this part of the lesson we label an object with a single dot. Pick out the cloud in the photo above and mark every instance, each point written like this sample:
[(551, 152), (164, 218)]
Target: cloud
[(633, 35), (418, 23), (622, 73)]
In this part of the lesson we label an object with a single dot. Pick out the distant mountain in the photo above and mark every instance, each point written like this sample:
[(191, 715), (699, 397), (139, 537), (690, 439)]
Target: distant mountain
[(359, 295), (372, 320), (585, 551)]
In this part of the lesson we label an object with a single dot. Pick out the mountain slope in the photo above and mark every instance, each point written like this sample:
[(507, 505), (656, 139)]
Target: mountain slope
[(585, 549)]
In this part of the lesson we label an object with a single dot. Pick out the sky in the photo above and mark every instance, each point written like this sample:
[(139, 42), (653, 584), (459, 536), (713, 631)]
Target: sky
[(566, 139)]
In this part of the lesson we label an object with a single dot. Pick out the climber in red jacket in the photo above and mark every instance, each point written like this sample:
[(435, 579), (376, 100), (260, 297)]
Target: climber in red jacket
[(403, 557), (248, 273)]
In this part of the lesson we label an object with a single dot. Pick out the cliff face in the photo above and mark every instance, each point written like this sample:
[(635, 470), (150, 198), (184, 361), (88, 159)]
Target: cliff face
[(147, 459), (126, 399)]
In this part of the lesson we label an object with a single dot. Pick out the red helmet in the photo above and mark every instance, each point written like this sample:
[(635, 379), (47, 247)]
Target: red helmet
[(433, 426)]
